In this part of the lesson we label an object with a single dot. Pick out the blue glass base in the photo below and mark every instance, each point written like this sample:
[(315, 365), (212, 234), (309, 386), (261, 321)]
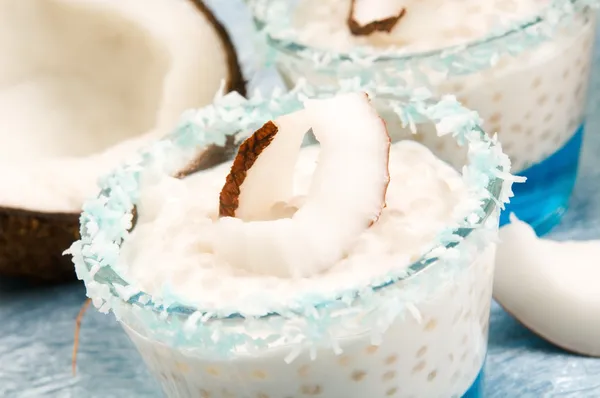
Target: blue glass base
[(543, 199), (476, 389)]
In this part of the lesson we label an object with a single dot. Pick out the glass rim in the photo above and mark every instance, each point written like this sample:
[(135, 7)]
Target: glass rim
[(298, 50), (109, 277)]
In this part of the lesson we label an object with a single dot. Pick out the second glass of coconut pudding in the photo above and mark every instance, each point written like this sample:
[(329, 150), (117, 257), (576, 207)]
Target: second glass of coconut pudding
[(522, 64), (354, 268)]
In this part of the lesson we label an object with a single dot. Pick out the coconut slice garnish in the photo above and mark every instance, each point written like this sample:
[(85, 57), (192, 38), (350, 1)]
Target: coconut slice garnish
[(346, 195), (369, 16), (276, 143), (550, 287)]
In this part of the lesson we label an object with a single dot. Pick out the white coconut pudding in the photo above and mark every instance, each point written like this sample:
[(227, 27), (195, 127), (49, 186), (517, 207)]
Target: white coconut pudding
[(528, 88), (352, 268), (84, 83), (522, 64)]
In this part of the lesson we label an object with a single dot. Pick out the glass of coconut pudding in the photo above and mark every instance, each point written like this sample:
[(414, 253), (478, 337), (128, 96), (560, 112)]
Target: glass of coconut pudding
[(244, 263), (522, 64)]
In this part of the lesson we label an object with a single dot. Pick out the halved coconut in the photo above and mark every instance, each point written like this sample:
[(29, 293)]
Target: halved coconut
[(82, 84)]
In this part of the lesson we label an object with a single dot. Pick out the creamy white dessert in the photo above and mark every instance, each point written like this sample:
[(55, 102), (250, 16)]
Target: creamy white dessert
[(186, 245), (534, 100)]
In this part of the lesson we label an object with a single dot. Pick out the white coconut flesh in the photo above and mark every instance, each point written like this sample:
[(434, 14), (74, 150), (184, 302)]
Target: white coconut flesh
[(551, 287), (346, 195), (84, 83), (257, 196)]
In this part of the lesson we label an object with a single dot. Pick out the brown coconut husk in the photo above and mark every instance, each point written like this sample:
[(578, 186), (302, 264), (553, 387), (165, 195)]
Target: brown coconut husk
[(250, 150)]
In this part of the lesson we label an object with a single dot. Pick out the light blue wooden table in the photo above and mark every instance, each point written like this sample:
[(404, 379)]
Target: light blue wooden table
[(36, 327)]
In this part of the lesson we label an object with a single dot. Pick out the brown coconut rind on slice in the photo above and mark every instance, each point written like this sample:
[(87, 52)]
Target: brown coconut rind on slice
[(32, 242), (31, 245), (250, 150), (383, 25), (236, 80)]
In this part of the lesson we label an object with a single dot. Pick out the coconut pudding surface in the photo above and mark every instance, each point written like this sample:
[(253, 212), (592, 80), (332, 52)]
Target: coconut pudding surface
[(423, 25), (173, 249), (170, 247)]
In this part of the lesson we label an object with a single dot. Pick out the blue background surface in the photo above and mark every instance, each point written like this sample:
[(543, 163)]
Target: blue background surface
[(36, 326)]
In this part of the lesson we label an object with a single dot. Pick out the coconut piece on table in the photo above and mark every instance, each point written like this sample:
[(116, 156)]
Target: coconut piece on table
[(550, 287), (369, 16), (102, 77), (346, 195)]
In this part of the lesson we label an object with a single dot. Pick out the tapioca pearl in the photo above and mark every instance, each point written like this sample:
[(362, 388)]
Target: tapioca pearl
[(464, 340), (205, 393), (344, 360), (546, 134), (358, 375), (495, 118), (432, 375), (418, 137), (516, 128), (259, 374), (311, 390), (227, 394), (303, 371), (212, 371), (439, 147), (557, 140), (467, 315), (388, 376), (542, 99), (430, 325), (419, 367), (390, 360), (182, 367), (391, 392)]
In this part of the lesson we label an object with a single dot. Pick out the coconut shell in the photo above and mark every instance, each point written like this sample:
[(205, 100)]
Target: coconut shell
[(236, 80), (32, 242)]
